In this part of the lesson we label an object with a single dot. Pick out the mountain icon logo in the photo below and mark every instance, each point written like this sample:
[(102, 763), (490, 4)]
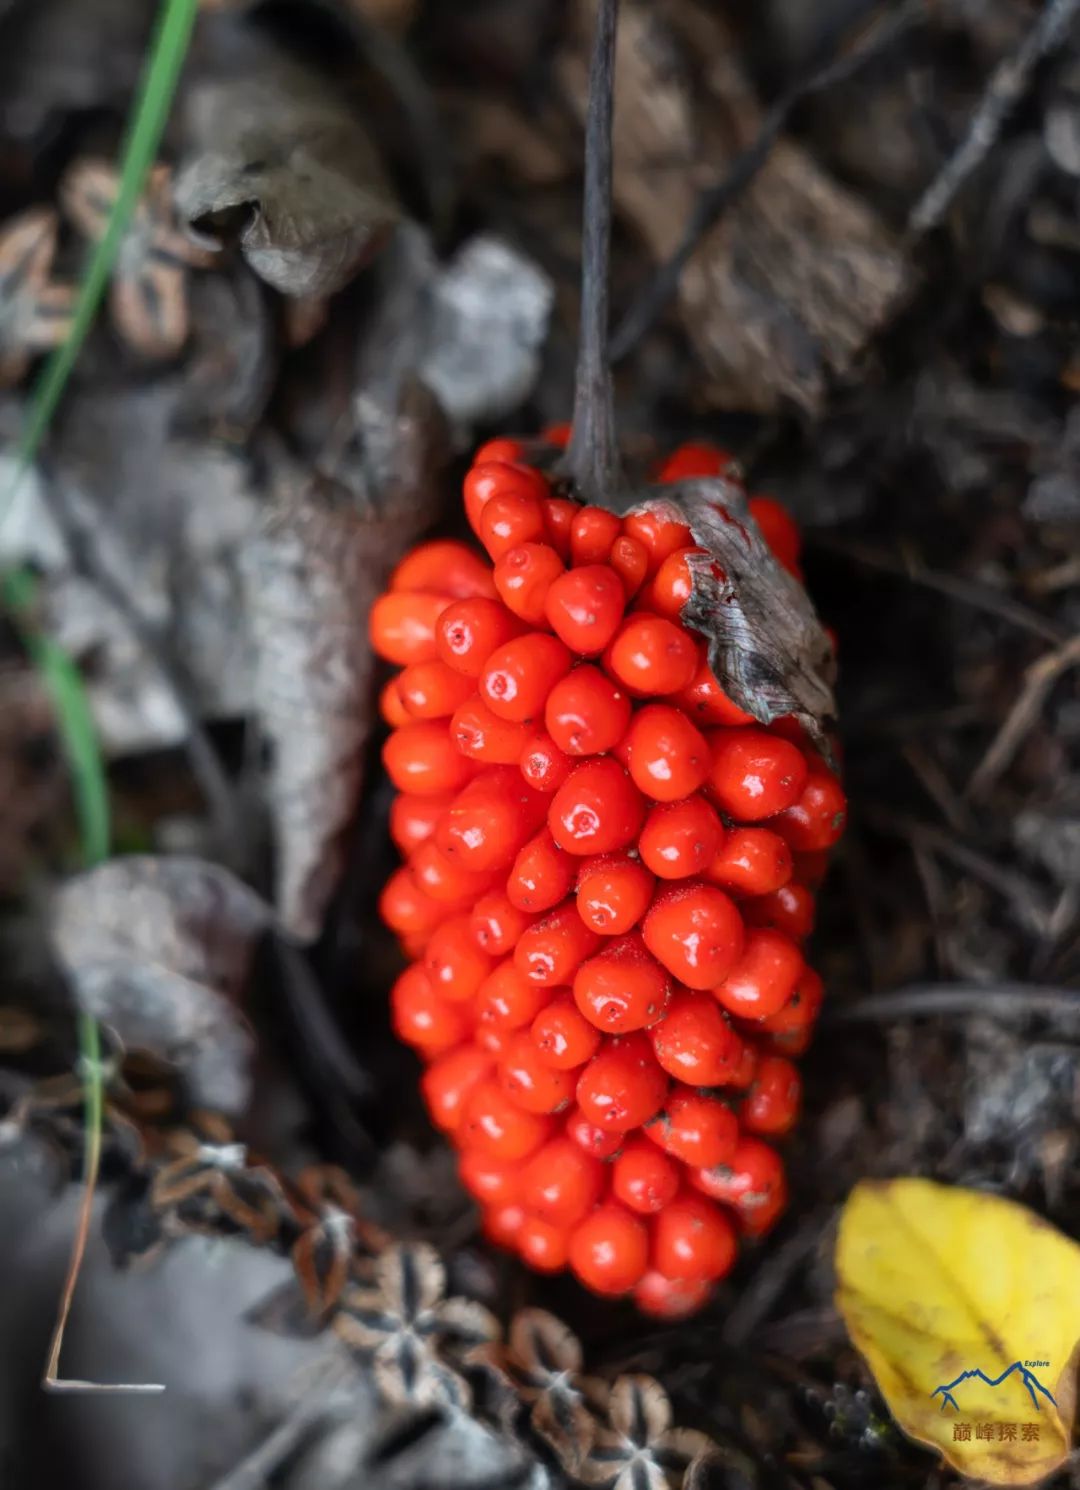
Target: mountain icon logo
[(1034, 1386)]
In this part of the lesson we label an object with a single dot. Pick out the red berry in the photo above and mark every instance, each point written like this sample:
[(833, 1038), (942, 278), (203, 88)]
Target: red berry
[(597, 1141), (559, 514), (448, 1082), (630, 560), (585, 606), (544, 766), (493, 1123), (698, 1130), (561, 1182), (592, 533), (613, 893), (705, 701), (695, 460), (609, 1250), (693, 1240), (789, 909), (651, 656), (480, 735), (801, 1009), (622, 988), (509, 519), (659, 532), (754, 774), (503, 1223), (470, 630), (518, 677), (596, 810), (402, 627), (543, 1246), (672, 585), (680, 839), (523, 576), (405, 907), (778, 529), (773, 1101), (534, 1085), (816, 820), (586, 713), (696, 931), (506, 1000), (666, 756), (490, 819), (563, 1036), (488, 479), (497, 924), (764, 978), (670, 1298), (414, 819), (754, 861), (420, 1017), (444, 567), (391, 710), (695, 1043), (454, 962), (643, 1178), (493, 1182), (751, 1178), (622, 1086), (444, 880), (542, 875), (421, 758), (504, 449), (553, 948)]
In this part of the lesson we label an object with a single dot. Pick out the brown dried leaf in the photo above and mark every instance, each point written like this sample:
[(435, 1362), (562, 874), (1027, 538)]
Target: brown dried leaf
[(278, 164), (327, 545), (160, 950), (767, 647)]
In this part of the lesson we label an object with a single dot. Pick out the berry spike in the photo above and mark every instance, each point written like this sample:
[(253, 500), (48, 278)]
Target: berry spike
[(592, 460)]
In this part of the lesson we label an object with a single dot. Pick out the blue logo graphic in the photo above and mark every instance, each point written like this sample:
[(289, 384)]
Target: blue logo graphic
[(1027, 1376)]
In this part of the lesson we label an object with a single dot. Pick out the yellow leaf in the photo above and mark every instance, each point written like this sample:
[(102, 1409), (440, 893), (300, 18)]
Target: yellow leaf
[(967, 1308)]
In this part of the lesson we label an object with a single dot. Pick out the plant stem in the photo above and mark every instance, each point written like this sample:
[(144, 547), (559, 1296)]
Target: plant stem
[(592, 460)]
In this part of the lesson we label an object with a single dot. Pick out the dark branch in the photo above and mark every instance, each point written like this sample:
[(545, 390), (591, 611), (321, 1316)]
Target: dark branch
[(593, 458)]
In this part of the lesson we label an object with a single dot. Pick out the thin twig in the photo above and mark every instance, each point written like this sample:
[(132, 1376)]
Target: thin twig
[(1008, 84), (871, 41), (923, 1001), (769, 1282), (593, 457), (968, 592), (1039, 679)]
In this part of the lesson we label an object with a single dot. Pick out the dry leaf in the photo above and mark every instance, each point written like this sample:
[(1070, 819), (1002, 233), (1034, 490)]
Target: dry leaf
[(278, 164), (967, 1307), (766, 645), (160, 950)]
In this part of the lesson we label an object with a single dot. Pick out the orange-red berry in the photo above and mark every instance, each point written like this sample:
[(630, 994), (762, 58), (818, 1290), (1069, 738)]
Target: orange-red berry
[(453, 961), (507, 1000), (562, 1035), (693, 1239), (561, 1182), (469, 631), (493, 1123), (658, 532), (765, 976), (754, 774), (586, 713), (493, 1182), (815, 821), (552, 949), (544, 766), (643, 1178), (541, 875), (596, 810), (533, 1084), (420, 1017), (489, 820), (523, 577), (592, 533), (584, 607), (444, 566), (414, 819), (753, 861), (499, 478), (695, 1043), (613, 892), (650, 655), (696, 1129), (402, 626), (622, 988), (622, 1087), (609, 1250), (772, 1103), (789, 909), (448, 1081), (497, 924), (696, 931), (667, 757), (680, 839), (518, 676), (543, 1246), (670, 1298), (420, 757)]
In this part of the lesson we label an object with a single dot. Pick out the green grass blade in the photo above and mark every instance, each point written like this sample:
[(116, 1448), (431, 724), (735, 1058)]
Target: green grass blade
[(158, 87)]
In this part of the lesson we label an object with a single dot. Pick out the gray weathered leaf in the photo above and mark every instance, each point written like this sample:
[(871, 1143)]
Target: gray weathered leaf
[(767, 647), (277, 163), (160, 949)]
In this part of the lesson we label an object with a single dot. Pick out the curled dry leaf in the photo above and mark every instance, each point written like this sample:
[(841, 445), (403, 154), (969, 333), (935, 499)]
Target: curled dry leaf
[(542, 1361), (278, 164), (160, 950), (639, 1449), (967, 1308), (767, 647)]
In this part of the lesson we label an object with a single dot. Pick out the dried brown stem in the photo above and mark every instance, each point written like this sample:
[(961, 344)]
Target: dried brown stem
[(592, 460)]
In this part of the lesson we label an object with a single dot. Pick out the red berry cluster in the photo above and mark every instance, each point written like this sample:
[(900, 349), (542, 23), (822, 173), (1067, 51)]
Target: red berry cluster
[(609, 872)]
